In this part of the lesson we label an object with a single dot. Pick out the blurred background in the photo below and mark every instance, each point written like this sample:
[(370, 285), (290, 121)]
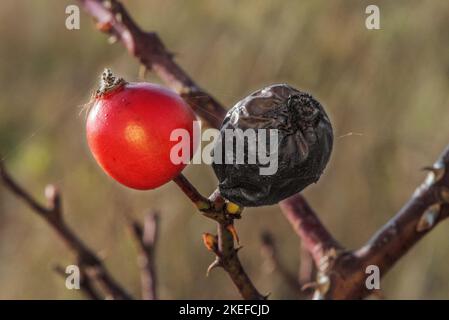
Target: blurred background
[(388, 87)]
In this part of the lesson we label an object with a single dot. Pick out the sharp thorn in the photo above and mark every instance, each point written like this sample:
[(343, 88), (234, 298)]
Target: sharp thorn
[(212, 266)]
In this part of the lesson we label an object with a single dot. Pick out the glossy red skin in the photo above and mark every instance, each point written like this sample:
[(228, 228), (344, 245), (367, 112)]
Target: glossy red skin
[(128, 132)]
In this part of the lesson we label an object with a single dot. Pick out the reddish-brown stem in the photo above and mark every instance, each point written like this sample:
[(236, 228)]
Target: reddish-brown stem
[(201, 202)]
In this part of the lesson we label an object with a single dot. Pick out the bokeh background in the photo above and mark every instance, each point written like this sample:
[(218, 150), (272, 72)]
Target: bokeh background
[(389, 87)]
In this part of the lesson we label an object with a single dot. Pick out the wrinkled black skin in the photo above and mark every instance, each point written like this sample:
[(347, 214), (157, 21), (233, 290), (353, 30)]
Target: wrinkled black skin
[(305, 143)]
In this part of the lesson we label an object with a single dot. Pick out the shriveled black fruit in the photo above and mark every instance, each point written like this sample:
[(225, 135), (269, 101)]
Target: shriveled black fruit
[(304, 136)]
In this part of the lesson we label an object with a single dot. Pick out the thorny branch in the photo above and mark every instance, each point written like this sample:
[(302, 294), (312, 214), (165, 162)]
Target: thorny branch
[(222, 244), (87, 260), (341, 273), (112, 18), (146, 238)]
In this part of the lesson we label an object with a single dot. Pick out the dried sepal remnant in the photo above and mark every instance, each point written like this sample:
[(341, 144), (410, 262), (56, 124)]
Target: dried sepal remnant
[(428, 219), (108, 83)]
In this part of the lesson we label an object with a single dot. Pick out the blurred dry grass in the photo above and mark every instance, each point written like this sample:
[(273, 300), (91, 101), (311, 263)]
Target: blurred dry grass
[(391, 86)]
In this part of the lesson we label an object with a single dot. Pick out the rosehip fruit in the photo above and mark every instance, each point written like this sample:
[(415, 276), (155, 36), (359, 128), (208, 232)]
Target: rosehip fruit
[(129, 128), (303, 144)]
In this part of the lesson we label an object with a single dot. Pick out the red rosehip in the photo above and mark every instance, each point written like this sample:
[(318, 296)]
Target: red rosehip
[(129, 128)]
